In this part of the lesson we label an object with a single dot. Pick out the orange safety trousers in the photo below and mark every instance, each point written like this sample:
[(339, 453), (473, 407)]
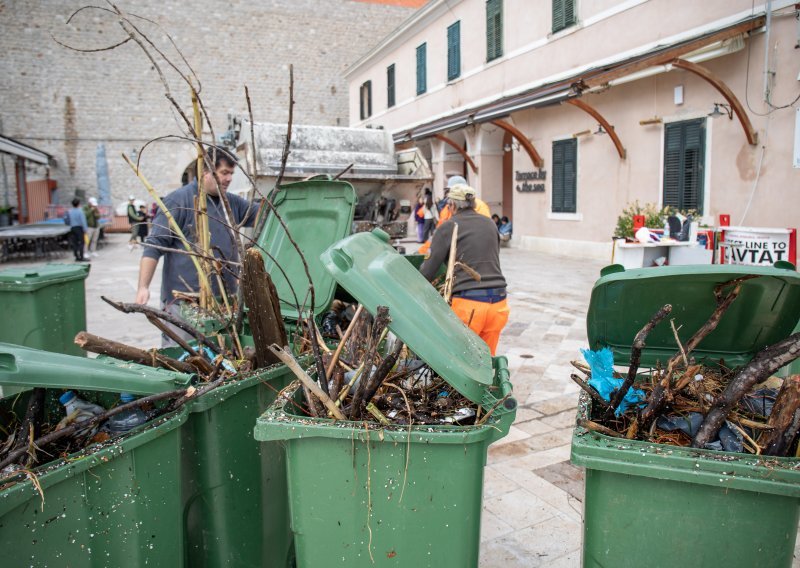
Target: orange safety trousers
[(485, 319)]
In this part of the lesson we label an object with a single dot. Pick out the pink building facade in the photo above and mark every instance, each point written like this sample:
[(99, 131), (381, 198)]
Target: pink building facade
[(562, 112)]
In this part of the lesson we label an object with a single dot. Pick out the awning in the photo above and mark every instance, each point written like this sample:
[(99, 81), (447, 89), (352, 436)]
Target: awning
[(14, 148)]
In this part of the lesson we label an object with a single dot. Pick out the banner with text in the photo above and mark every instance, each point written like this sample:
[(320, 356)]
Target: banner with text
[(753, 247)]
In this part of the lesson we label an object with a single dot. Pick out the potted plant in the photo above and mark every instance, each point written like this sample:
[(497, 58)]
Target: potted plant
[(5, 216), (653, 218)]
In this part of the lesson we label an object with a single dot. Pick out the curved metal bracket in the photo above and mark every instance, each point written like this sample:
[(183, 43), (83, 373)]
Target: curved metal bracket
[(599, 118), (718, 84), (524, 142), (452, 143)]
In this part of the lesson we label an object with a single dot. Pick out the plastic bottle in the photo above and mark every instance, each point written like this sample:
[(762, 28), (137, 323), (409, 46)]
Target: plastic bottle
[(127, 419), (78, 410)]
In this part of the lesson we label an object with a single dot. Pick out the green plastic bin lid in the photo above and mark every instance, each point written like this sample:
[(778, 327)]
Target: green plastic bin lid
[(317, 212), (26, 367), (376, 275), (31, 278), (623, 301)]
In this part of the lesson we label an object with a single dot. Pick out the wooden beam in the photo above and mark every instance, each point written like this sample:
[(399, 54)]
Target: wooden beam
[(599, 118), (458, 149), (725, 91), (666, 56), (523, 141)]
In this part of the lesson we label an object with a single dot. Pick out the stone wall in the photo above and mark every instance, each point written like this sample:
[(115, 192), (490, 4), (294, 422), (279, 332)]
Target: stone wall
[(66, 102)]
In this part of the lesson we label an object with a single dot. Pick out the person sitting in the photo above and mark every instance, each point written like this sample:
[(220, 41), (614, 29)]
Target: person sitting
[(505, 229)]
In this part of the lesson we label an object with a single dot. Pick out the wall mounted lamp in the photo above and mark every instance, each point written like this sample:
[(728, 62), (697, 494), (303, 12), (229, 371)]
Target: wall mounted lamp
[(514, 145), (600, 130), (716, 112)]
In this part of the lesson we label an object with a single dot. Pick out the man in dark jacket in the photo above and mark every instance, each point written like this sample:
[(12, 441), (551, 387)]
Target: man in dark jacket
[(481, 304), (179, 273)]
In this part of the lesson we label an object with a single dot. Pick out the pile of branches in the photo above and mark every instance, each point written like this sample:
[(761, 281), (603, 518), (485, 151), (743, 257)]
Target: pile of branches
[(704, 404), (372, 376)]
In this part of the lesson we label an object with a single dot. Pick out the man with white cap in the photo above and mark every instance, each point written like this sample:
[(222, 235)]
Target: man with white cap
[(481, 304), (444, 213), (93, 215), (134, 218)]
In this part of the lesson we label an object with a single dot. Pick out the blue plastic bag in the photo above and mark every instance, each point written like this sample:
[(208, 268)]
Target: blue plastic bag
[(602, 365)]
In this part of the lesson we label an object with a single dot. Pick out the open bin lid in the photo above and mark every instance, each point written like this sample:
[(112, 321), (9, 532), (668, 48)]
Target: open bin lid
[(26, 367), (318, 212), (623, 301), (376, 275), (32, 278)]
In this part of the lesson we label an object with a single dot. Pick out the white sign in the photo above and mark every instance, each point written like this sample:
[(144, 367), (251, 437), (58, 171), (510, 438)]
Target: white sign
[(752, 247)]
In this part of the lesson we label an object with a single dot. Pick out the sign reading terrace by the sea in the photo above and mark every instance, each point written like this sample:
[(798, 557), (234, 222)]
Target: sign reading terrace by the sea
[(759, 246)]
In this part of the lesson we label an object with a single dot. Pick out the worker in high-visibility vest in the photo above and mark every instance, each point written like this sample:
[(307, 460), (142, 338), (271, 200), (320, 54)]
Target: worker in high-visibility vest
[(444, 213)]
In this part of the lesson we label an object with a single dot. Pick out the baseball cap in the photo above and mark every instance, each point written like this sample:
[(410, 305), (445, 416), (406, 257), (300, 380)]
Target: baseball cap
[(456, 180), (131, 197), (460, 192), (92, 201)]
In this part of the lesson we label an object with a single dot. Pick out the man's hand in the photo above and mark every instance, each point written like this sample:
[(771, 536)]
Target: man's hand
[(143, 296)]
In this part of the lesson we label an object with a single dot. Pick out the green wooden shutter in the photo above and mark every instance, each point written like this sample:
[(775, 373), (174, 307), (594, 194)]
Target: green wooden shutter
[(563, 14), (565, 154), (494, 29), (422, 84), (454, 51), (390, 86), (684, 157), (369, 98)]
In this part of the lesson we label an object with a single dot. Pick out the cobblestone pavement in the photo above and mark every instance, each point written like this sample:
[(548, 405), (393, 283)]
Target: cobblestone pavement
[(533, 496)]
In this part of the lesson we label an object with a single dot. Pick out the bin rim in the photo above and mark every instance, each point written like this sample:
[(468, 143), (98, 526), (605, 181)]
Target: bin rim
[(36, 277), (592, 450), (59, 470)]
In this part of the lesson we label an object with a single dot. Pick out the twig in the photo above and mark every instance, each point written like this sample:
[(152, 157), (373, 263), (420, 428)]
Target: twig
[(307, 381), (344, 339), (130, 308), (678, 341), (590, 391), (599, 428), (344, 171), (636, 353), (153, 358), (451, 265)]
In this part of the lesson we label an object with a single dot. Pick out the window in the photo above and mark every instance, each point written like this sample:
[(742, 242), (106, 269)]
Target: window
[(454, 51), (563, 14), (565, 159), (684, 153), (422, 83), (366, 100), (390, 86), (494, 29)]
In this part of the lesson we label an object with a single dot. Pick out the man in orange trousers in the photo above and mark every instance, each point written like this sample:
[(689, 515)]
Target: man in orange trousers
[(481, 304)]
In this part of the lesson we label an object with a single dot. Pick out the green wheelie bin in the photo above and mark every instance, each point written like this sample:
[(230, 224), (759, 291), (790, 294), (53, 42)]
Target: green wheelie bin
[(234, 488), (659, 505), (114, 503), (366, 495), (47, 305)]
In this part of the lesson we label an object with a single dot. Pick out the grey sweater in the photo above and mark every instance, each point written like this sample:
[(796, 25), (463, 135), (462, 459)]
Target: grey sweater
[(179, 272), (478, 246)]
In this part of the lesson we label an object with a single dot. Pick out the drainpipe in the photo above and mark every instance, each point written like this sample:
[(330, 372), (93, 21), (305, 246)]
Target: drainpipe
[(767, 71)]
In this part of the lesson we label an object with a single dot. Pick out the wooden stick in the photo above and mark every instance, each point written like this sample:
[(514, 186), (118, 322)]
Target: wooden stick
[(322, 378), (678, 341), (171, 334), (766, 362), (636, 353), (102, 346), (451, 265), (129, 308), (345, 337), (380, 374), (783, 420), (590, 391), (599, 428), (306, 380)]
